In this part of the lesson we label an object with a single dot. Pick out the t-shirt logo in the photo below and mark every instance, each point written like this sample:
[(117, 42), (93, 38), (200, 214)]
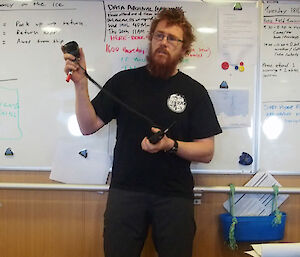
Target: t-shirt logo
[(176, 103)]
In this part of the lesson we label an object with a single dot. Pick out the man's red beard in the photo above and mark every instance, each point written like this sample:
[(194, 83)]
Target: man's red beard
[(159, 69)]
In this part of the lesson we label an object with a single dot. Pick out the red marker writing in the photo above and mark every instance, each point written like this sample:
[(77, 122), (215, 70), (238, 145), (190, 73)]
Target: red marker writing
[(69, 76)]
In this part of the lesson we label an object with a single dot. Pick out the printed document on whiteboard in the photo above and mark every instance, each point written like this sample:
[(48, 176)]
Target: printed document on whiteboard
[(237, 38)]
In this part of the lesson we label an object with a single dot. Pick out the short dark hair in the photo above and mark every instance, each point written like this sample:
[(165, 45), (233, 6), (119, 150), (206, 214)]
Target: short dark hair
[(175, 16)]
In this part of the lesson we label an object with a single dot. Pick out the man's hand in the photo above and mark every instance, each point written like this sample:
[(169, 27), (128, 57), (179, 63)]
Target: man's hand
[(72, 65), (163, 145)]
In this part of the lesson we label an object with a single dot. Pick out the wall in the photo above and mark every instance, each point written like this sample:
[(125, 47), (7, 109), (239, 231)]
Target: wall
[(56, 223)]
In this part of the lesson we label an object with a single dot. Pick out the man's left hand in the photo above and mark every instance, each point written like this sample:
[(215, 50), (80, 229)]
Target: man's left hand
[(163, 145)]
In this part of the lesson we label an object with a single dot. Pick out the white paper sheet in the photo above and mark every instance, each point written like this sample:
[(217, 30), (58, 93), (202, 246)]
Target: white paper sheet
[(275, 250), (252, 253), (256, 204), (257, 248), (69, 166), (231, 106), (280, 250), (237, 34)]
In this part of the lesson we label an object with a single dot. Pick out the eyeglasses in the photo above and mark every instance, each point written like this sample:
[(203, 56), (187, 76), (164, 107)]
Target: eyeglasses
[(172, 40)]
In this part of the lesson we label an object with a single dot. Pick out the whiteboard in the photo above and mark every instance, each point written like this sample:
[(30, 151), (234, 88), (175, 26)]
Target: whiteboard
[(39, 104), (36, 102), (280, 91)]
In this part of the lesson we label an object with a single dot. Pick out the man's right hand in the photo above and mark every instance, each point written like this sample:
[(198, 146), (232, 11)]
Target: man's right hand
[(71, 65)]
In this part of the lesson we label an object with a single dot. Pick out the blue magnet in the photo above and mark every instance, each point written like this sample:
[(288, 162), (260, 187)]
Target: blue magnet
[(224, 85), (245, 159), (9, 152), (84, 153), (236, 67)]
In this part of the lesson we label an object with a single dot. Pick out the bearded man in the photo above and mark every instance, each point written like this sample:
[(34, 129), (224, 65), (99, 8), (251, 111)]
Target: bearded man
[(151, 184)]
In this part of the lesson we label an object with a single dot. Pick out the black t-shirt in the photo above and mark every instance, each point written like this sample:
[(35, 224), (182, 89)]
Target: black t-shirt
[(180, 99)]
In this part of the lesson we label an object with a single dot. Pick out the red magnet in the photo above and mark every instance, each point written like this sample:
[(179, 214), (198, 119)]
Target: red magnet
[(225, 65), (241, 63)]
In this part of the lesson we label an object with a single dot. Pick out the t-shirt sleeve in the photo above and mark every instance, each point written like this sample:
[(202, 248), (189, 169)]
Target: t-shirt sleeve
[(105, 107), (204, 120)]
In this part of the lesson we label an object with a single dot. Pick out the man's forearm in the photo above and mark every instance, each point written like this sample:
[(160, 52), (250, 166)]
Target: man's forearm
[(88, 121), (200, 150)]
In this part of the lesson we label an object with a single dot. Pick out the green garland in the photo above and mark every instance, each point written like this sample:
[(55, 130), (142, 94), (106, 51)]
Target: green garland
[(277, 219), (231, 237)]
